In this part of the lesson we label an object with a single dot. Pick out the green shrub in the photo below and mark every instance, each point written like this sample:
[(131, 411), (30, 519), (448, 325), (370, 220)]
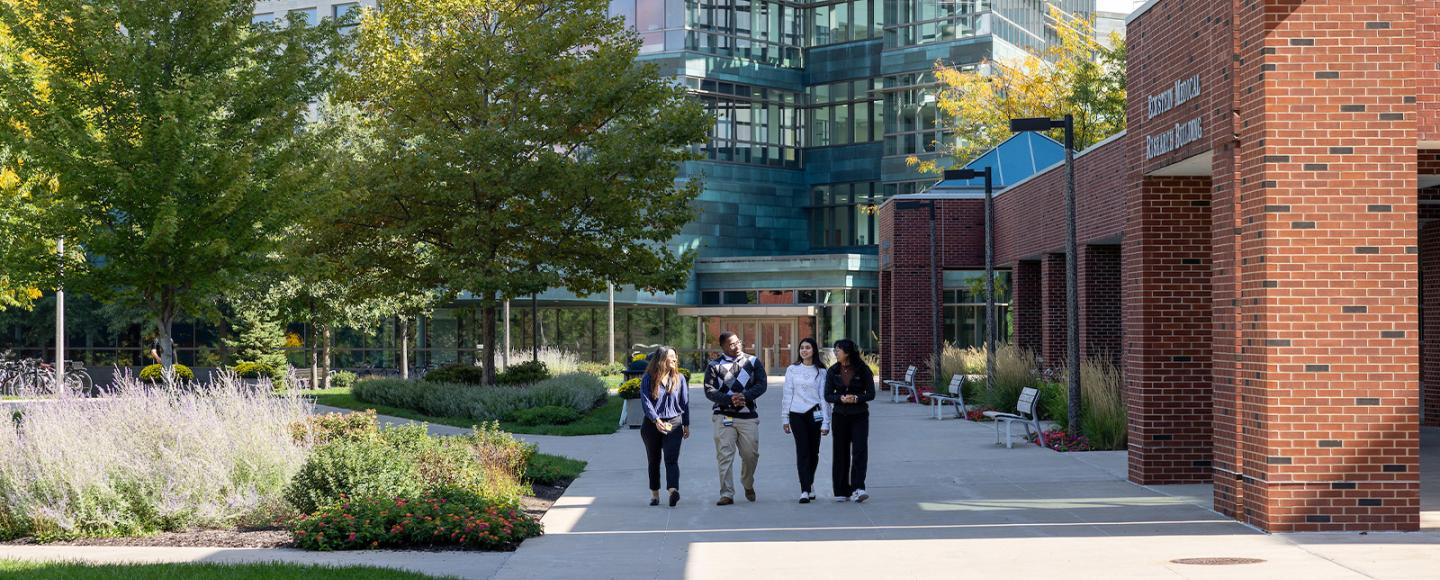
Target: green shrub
[(465, 374), (402, 461), (343, 380), (550, 415), (432, 519), (1014, 370), (553, 469), (684, 372), (955, 360), (322, 429), (530, 371), (1054, 403), (156, 373), (1103, 422), (630, 389), (577, 391), (601, 369)]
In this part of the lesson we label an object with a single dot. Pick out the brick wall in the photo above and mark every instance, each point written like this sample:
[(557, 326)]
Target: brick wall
[(1030, 217), (1027, 304), (1328, 391), (1052, 310), (1100, 300), (906, 299), (1430, 348), (1427, 52), (1167, 331)]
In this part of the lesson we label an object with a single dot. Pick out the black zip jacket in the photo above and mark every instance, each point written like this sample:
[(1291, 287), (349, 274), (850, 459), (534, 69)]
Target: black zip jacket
[(862, 383)]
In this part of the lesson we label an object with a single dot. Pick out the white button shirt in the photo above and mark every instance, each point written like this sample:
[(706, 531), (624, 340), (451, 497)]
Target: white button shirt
[(804, 389)]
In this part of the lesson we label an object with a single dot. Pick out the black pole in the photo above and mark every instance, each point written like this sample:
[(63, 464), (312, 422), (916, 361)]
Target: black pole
[(934, 302), (990, 331), (535, 327), (1072, 295)]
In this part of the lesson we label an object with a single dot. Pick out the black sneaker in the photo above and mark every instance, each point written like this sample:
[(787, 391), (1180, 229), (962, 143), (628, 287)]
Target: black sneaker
[(674, 497)]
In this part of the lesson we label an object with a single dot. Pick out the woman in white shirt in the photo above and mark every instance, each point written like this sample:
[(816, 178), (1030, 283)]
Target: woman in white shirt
[(805, 414)]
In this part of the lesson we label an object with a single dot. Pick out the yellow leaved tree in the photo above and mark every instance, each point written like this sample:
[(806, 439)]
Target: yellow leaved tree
[(1079, 75)]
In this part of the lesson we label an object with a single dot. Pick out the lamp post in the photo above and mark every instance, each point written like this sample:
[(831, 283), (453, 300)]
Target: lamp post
[(934, 282), (60, 320), (991, 332), (1072, 296)]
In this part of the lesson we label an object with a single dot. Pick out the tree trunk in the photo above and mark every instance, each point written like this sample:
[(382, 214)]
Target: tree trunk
[(167, 344), (404, 348), (325, 357), (487, 333)]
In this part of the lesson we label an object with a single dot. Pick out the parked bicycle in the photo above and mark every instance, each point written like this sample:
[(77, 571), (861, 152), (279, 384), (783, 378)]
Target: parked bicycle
[(34, 377)]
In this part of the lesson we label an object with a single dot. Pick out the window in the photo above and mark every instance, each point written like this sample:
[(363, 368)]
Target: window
[(266, 18), (311, 15), (843, 215), (348, 12)]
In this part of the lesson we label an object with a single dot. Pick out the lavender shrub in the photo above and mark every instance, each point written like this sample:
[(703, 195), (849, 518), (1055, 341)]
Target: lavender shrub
[(147, 458)]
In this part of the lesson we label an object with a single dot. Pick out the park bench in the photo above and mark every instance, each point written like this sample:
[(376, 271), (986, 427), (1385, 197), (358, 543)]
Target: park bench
[(906, 385), (1024, 415), (953, 395)]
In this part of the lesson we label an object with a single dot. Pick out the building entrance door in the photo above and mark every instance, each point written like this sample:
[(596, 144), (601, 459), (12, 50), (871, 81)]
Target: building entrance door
[(773, 340)]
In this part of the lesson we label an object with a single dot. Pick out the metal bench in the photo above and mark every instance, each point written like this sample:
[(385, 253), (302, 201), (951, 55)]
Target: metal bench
[(1024, 415), (953, 395), (906, 385)]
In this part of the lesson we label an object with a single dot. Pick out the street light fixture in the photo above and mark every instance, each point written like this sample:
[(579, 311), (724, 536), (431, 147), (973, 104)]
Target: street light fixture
[(991, 333), (1072, 296), (934, 282)]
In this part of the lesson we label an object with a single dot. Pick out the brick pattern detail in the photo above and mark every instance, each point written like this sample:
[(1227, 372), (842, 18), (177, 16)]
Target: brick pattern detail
[(1327, 403), (1027, 304), (1167, 331), (1052, 308), (1430, 347), (1427, 52), (1100, 299)]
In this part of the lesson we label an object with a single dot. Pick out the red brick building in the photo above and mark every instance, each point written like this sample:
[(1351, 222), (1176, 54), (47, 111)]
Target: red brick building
[(1252, 249)]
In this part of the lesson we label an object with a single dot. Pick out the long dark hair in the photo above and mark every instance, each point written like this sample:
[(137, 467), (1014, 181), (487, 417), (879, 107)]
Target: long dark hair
[(660, 363), (852, 353), (815, 359)]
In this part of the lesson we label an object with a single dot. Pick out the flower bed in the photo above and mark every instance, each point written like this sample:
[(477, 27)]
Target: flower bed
[(1064, 441), (459, 520)]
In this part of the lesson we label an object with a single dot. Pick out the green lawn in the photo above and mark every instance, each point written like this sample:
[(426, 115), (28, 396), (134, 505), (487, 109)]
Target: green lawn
[(547, 469), (341, 397), (72, 571)]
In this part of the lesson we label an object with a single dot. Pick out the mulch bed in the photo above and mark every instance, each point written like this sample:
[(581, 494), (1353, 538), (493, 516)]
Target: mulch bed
[(536, 505)]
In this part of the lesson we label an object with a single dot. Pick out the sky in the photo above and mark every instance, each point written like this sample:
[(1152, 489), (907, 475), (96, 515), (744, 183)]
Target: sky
[(1121, 6)]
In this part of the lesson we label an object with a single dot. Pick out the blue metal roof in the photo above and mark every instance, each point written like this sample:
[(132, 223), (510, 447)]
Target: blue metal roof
[(1019, 157)]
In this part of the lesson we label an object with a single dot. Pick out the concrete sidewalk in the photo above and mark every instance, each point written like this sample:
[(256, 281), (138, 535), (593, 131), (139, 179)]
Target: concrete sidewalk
[(946, 503)]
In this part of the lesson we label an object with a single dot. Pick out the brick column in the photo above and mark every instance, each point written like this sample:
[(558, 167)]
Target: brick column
[(1026, 303), (1167, 330), (1329, 354), (1052, 297), (1430, 303), (1100, 322)]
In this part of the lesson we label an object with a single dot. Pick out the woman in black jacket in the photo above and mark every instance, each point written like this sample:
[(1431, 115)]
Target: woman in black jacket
[(849, 385)]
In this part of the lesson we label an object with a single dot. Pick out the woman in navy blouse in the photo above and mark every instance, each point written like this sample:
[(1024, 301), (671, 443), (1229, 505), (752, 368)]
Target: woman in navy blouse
[(665, 394)]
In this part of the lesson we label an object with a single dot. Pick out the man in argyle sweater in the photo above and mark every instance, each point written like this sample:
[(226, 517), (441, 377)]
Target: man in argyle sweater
[(733, 382)]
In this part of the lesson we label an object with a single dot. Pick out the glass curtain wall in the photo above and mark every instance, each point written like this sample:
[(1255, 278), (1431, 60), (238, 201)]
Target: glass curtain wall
[(752, 124), (843, 214)]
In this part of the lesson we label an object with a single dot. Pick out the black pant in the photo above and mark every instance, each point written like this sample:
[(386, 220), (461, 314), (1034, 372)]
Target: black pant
[(807, 448), (852, 451), (655, 442)]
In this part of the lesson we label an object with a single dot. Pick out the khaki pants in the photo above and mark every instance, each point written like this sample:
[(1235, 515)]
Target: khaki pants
[(744, 435)]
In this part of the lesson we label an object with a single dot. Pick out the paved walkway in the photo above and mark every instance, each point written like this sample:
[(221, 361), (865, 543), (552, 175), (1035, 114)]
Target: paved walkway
[(947, 503)]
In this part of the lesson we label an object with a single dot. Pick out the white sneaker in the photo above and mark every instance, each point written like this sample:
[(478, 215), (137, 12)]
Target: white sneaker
[(814, 497), (841, 499), (804, 497), (859, 496)]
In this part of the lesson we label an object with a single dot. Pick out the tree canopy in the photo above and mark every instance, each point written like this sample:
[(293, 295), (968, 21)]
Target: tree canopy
[(1079, 75), (512, 147), (168, 127)]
